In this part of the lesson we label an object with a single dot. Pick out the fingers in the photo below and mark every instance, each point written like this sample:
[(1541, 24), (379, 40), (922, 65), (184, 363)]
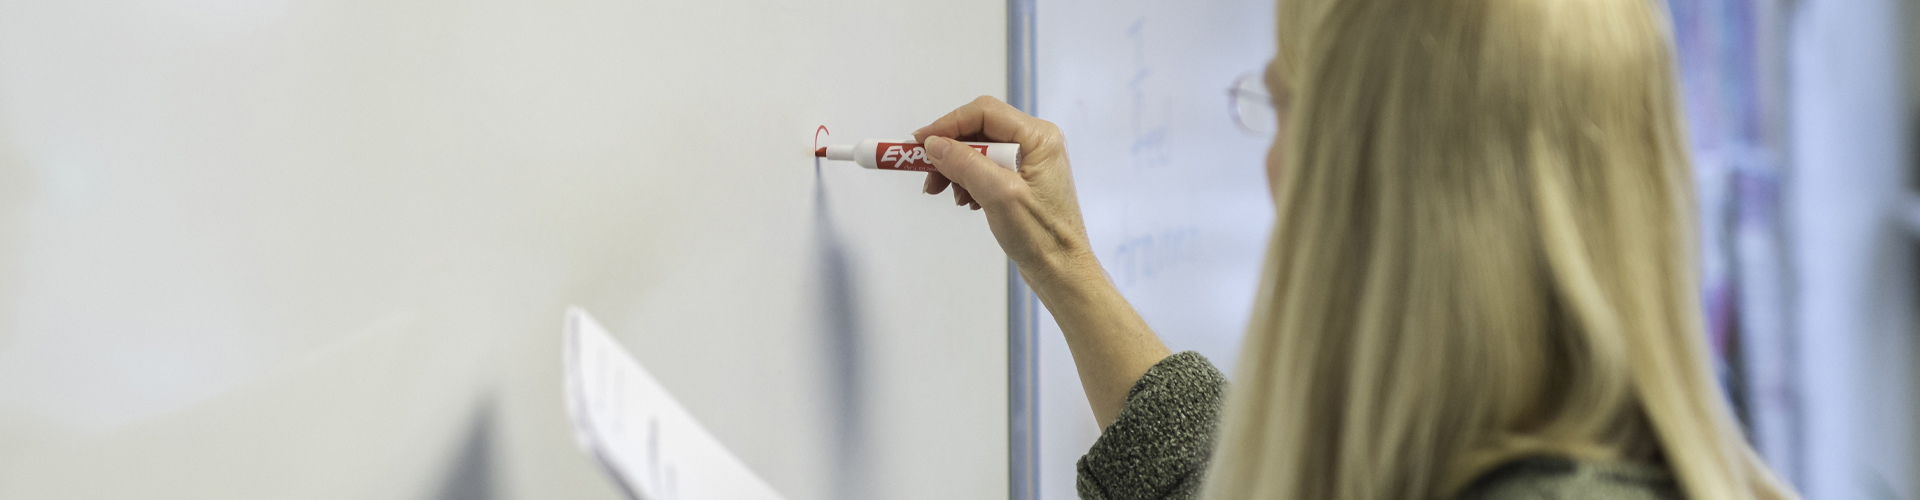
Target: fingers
[(989, 119), (935, 183), (977, 181)]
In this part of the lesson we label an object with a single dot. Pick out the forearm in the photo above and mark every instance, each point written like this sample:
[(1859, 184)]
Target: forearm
[(1111, 345)]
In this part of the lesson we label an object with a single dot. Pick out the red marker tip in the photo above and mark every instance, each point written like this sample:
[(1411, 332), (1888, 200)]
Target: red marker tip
[(820, 153)]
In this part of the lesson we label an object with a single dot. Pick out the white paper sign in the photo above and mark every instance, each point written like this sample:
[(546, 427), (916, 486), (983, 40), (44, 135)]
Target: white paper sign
[(638, 433)]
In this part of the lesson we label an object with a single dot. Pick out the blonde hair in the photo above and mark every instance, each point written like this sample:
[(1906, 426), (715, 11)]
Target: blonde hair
[(1482, 252)]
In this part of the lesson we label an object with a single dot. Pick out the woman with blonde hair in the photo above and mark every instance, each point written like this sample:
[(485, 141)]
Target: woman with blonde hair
[(1480, 282)]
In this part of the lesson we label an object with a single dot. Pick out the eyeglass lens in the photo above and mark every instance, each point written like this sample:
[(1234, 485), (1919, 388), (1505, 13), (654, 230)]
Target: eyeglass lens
[(1251, 106)]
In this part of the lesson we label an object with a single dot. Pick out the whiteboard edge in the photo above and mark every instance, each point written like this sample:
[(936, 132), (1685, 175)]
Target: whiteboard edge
[(1023, 321)]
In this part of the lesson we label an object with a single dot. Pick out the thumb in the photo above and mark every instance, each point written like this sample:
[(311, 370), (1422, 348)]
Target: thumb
[(985, 180)]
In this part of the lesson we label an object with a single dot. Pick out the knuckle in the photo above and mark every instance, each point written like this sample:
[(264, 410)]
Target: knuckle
[(1047, 137), (1048, 129)]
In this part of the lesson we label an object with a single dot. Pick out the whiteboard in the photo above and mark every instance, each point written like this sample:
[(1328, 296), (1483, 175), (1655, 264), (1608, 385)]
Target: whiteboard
[(1174, 195), (321, 248)]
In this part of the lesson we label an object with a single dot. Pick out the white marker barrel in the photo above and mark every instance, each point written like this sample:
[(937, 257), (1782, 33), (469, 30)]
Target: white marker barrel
[(905, 154)]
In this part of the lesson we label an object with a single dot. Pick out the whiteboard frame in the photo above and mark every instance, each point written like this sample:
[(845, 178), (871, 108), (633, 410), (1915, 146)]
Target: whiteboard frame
[(1023, 308)]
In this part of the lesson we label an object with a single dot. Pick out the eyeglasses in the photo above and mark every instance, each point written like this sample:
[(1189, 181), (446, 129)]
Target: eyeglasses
[(1251, 105)]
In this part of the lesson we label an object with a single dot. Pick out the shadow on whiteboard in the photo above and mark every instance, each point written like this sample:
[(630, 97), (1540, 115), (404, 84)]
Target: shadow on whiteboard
[(842, 330)]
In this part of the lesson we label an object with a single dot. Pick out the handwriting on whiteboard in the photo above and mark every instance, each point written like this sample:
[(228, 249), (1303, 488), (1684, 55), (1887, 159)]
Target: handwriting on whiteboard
[(1140, 257), (1149, 136)]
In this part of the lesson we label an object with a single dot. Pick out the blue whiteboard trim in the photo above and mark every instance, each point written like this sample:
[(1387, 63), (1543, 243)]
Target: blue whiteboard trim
[(1023, 308)]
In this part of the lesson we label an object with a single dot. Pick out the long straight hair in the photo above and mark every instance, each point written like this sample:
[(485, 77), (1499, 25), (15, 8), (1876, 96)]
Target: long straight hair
[(1483, 250)]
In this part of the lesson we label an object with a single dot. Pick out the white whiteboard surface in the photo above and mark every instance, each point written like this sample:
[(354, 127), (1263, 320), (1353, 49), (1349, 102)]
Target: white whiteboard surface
[(320, 248), (1174, 194)]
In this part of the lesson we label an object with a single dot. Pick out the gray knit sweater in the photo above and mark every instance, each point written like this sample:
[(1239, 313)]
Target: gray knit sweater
[(1157, 448)]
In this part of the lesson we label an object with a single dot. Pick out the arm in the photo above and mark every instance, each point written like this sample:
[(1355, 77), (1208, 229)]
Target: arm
[(1112, 347), (1035, 216)]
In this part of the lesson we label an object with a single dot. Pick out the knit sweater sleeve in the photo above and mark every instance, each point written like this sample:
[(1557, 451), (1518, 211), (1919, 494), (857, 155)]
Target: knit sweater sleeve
[(1158, 447)]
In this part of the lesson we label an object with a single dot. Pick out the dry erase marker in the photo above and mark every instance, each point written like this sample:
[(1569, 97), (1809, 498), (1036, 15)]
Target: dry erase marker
[(908, 155)]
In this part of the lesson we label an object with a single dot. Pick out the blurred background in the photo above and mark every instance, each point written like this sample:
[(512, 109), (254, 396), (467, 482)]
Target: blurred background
[(1802, 116)]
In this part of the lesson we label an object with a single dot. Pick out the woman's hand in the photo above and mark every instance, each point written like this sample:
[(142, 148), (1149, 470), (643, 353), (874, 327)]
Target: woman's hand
[(1033, 213), (1036, 217)]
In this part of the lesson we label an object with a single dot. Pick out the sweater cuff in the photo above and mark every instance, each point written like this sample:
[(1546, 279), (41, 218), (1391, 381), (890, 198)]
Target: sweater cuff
[(1159, 444)]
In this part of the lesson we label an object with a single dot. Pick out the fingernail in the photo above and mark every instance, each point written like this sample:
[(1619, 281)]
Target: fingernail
[(937, 147)]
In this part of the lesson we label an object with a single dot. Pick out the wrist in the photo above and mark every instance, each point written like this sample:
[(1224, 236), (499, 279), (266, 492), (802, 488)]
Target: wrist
[(1063, 272)]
